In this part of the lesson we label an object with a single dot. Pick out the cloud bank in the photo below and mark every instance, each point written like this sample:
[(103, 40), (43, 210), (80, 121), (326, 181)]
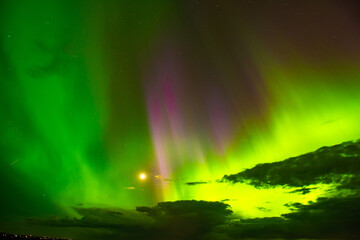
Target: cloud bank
[(332, 217), (338, 164)]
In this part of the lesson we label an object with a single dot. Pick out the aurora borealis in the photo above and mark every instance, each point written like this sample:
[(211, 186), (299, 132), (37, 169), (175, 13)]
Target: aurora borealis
[(120, 118)]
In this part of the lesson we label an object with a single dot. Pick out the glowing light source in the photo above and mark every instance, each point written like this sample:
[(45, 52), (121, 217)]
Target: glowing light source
[(142, 176)]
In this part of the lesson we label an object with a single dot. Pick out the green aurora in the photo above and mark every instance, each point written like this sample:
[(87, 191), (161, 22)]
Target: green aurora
[(93, 93)]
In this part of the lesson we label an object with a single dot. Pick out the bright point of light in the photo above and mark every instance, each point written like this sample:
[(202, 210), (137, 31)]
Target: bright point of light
[(142, 176)]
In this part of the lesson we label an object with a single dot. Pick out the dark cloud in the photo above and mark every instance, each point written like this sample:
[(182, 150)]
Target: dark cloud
[(102, 223), (329, 218), (303, 190), (167, 220), (195, 217), (336, 164), (257, 228), (349, 181), (195, 183), (95, 218), (263, 209)]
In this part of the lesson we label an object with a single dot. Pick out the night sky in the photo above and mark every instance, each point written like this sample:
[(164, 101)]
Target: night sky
[(187, 119)]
